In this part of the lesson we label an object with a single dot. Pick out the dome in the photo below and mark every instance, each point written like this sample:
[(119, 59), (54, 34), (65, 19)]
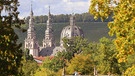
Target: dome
[(71, 31)]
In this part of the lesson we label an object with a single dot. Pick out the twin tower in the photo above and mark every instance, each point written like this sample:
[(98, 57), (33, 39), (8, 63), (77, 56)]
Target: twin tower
[(48, 44)]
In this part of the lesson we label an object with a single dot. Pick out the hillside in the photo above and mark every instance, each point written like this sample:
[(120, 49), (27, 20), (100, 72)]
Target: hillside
[(93, 31), (61, 18)]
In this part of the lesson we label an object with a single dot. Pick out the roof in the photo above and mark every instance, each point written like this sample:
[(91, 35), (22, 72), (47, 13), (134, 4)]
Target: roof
[(40, 59), (71, 31)]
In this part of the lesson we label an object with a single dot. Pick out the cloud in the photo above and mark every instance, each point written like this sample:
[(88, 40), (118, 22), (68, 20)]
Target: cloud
[(40, 7)]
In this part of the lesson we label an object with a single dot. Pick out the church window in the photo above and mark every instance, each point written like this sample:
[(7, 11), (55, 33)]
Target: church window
[(67, 35), (29, 45)]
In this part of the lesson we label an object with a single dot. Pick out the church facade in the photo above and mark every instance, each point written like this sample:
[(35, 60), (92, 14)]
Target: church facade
[(48, 47)]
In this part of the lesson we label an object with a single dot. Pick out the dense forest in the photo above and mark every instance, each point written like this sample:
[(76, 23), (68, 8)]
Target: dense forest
[(84, 17)]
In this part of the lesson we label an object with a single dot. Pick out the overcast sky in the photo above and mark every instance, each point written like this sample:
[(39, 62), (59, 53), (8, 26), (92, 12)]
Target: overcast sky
[(40, 7)]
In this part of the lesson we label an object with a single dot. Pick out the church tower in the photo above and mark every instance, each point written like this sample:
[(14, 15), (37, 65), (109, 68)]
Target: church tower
[(31, 42), (48, 41)]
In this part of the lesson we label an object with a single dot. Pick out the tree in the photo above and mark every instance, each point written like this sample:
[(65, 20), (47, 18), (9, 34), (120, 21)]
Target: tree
[(27, 56), (106, 57), (44, 72), (80, 63), (84, 17), (29, 67), (75, 44), (130, 65), (29, 64), (130, 71), (53, 64), (10, 51), (67, 55), (122, 26)]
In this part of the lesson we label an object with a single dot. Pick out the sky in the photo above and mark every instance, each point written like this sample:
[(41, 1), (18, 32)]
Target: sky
[(40, 7)]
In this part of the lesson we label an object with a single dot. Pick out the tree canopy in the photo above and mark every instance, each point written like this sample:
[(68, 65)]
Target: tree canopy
[(84, 17), (122, 26), (80, 63), (10, 51)]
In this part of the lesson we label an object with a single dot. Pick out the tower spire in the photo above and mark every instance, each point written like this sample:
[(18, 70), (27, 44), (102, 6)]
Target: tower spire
[(49, 14), (48, 41), (72, 19), (49, 9), (72, 23), (31, 20), (49, 19), (31, 9)]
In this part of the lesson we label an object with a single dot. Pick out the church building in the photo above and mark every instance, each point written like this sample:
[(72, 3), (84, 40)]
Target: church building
[(48, 47)]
